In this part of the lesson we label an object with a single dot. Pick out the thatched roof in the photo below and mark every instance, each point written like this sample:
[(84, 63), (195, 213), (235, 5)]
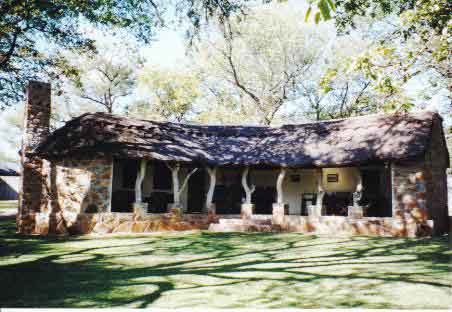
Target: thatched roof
[(9, 169), (366, 139)]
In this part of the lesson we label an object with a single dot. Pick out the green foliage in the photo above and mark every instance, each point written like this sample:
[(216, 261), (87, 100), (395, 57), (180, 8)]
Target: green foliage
[(172, 95), (32, 34), (105, 78), (413, 42), (259, 61), (325, 9)]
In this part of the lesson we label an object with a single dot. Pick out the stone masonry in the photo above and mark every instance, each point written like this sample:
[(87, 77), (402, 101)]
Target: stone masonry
[(33, 197)]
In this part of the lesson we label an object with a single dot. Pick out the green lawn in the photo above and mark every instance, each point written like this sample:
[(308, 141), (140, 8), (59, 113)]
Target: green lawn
[(8, 204), (202, 269)]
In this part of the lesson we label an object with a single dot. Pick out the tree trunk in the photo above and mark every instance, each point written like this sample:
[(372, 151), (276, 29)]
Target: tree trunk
[(213, 177), (139, 181), (177, 191), (279, 186), (320, 189), (248, 191)]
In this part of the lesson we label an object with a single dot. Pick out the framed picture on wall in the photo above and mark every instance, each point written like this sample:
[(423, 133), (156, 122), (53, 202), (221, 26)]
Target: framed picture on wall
[(332, 178)]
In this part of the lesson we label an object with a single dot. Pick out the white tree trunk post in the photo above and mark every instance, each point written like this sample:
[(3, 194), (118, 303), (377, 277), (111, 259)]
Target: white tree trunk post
[(279, 186), (247, 207), (356, 211), (139, 207), (211, 211), (320, 194), (248, 190), (359, 184), (178, 190), (279, 207)]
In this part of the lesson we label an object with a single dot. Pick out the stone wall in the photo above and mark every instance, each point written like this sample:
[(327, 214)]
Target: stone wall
[(437, 163), (335, 225), (73, 187), (84, 185), (420, 187), (105, 223), (409, 182)]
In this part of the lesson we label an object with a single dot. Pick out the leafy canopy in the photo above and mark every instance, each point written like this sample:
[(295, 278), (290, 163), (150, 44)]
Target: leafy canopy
[(33, 32)]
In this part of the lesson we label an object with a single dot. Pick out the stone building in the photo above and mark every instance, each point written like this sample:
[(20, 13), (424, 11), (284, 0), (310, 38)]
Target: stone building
[(9, 181), (101, 173)]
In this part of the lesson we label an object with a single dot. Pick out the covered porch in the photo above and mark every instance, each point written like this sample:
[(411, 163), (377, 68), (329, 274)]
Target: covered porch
[(155, 187)]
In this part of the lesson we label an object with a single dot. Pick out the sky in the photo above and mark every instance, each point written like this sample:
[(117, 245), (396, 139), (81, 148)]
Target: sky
[(168, 50)]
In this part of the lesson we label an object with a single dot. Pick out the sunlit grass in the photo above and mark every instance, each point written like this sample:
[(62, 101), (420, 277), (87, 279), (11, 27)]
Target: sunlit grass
[(8, 204), (229, 270)]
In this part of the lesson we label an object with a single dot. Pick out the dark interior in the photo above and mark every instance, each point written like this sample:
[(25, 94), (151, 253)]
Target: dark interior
[(196, 192), (263, 199)]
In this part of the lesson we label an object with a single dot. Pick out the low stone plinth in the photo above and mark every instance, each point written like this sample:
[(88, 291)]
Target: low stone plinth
[(247, 211), (140, 209), (278, 212), (314, 211), (337, 225), (211, 212), (355, 212)]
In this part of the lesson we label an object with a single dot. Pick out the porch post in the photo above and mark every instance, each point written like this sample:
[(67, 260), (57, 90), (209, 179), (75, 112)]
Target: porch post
[(210, 207), (247, 208), (356, 211), (176, 206), (279, 208), (139, 207), (317, 209)]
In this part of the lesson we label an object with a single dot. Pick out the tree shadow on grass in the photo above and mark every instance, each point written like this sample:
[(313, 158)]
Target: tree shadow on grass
[(67, 273)]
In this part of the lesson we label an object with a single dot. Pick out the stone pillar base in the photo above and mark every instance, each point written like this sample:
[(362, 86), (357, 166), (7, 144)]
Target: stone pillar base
[(278, 212), (211, 213), (57, 224), (355, 212), (175, 212), (314, 211), (25, 223), (140, 209), (247, 211)]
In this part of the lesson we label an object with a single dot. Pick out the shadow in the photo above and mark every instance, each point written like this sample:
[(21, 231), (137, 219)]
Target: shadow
[(219, 270)]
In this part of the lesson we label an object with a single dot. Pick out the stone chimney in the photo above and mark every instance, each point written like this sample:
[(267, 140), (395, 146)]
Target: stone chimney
[(36, 128)]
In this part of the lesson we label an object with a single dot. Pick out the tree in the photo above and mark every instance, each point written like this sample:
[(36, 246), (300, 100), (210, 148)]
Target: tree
[(261, 59), (33, 33), (172, 95), (11, 128), (412, 44), (108, 77)]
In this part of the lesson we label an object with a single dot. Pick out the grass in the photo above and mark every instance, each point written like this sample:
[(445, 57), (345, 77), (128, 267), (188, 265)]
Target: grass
[(8, 204), (223, 270)]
